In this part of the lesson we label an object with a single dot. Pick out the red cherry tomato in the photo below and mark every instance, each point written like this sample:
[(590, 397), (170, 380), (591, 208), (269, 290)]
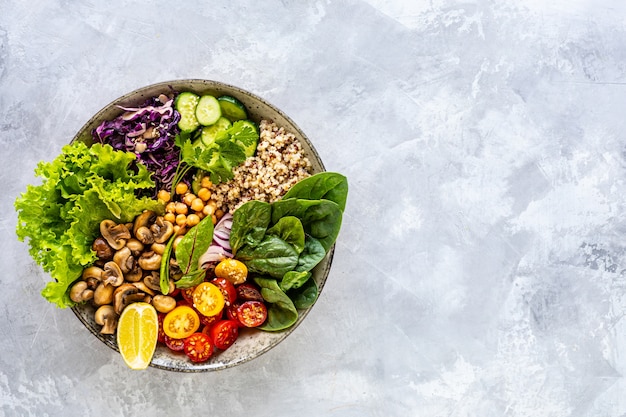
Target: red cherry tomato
[(209, 320), (161, 333), (252, 313), (176, 345), (248, 292), (187, 294), (227, 288), (231, 311), (224, 333), (198, 347)]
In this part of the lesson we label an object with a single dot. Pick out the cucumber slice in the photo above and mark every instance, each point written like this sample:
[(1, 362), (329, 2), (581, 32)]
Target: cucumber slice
[(232, 108), (186, 104), (209, 133), (249, 150), (208, 110)]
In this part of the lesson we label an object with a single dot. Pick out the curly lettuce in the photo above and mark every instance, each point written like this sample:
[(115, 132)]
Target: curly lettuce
[(80, 188)]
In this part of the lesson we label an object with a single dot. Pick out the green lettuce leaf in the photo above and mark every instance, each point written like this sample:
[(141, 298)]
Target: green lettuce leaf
[(60, 218)]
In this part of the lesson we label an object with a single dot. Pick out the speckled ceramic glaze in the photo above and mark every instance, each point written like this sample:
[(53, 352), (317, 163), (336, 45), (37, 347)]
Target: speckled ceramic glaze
[(251, 342)]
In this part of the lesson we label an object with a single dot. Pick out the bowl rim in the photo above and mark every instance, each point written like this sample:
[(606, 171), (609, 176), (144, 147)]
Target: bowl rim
[(323, 268)]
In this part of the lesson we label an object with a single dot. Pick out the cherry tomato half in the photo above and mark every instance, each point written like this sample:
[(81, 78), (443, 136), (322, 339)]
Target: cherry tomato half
[(176, 345), (187, 294), (252, 313), (231, 311), (224, 333), (208, 299), (208, 320), (227, 288), (161, 333), (181, 322), (249, 292), (198, 347), (233, 270)]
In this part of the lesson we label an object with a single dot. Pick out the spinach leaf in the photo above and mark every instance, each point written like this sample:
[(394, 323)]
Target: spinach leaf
[(192, 246), (305, 296), (272, 256), (312, 254), (281, 313), (321, 218), (289, 229), (321, 186), (294, 279), (250, 221)]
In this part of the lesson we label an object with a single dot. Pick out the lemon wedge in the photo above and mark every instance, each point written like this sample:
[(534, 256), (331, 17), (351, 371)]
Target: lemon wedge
[(137, 332)]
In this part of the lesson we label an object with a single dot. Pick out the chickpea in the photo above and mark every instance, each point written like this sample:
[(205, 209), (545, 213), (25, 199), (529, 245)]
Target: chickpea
[(181, 208), (208, 210), (213, 219), (193, 220), (204, 194), (181, 220), (219, 213), (170, 207), (206, 182), (164, 196), (181, 188), (197, 204), (188, 198), (170, 217)]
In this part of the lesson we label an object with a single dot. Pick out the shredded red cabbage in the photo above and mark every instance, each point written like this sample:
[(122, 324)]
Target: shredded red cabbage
[(148, 131)]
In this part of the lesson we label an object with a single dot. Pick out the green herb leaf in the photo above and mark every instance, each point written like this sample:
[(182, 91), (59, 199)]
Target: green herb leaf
[(272, 256), (164, 271), (294, 279), (289, 229), (321, 186)]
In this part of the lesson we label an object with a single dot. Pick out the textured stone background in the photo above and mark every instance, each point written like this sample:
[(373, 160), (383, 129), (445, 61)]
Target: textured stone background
[(480, 267)]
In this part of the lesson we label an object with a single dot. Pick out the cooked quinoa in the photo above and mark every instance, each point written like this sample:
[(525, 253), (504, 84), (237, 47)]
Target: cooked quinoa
[(279, 163)]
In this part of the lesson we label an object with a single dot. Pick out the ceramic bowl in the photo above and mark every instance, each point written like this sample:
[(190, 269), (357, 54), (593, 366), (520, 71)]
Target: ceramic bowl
[(251, 342)]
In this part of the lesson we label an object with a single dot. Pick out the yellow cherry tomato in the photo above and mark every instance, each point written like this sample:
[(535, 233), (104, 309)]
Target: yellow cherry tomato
[(208, 299), (181, 322), (232, 270)]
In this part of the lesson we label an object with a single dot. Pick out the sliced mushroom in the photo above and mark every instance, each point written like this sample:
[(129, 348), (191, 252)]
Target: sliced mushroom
[(135, 246), (124, 295), (115, 234), (124, 259), (158, 248), (144, 235), (103, 250), (80, 292), (135, 274), (112, 274), (149, 261), (152, 281), (92, 276), (107, 318), (145, 219), (103, 294), (163, 303), (162, 230), (143, 287)]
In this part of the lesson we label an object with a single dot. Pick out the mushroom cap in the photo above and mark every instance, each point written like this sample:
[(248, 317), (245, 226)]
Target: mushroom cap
[(150, 261), (163, 303), (143, 220), (124, 259), (112, 274), (106, 317), (152, 281), (134, 245), (144, 235), (103, 250), (124, 295), (103, 294), (162, 230), (80, 292), (115, 234)]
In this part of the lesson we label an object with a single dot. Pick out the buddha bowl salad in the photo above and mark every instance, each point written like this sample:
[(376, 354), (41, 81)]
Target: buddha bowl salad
[(186, 204)]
